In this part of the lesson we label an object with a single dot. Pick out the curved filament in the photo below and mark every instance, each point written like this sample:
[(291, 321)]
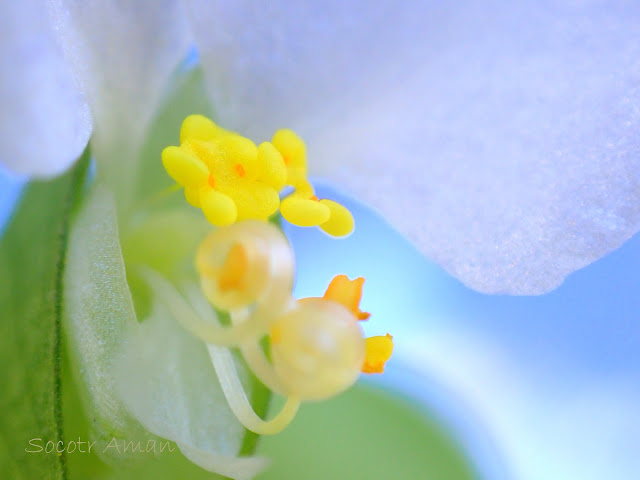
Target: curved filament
[(237, 398), (205, 329), (261, 367), (257, 360)]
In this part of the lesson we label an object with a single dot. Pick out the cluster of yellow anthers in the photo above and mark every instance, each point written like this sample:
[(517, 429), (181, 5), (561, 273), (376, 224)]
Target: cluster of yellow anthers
[(232, 179), (316, 346)]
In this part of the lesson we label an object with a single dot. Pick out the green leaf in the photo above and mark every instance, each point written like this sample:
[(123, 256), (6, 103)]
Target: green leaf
[(31, 265), (363, 434)]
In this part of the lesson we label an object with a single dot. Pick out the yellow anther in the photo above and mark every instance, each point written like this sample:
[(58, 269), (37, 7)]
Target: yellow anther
[(199, 127), (209, 152), (377, 352), (192, 194), (185, 168), (274, 171), (348, 293), (257, 201), (294, 153), (303, 208), (340, 222), (219, 208), (234, 270), (237, 150), (304, 212), (211, 159), (225, 174), (304, 189)]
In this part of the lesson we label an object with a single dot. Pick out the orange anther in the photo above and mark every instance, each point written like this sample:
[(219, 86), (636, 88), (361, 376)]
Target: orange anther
[(347, 293)]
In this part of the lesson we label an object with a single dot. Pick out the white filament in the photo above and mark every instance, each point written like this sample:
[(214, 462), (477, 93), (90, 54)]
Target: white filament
[(257, 361), (238, 401), (261, 367), (205, 330)]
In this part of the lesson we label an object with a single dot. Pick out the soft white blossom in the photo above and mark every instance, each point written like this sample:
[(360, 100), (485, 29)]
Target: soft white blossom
[(500, 138)]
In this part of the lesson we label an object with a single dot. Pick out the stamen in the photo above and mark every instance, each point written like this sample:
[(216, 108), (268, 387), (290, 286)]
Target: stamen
[(184, 167), (320, 349), (199, 127), (304, 212), (238, 401), (347, 293), (256, 359), (294, 150), (205, 328), (378, 352), (262, 259), (340, 221), (241, 181), (234, 270), (202, 162)]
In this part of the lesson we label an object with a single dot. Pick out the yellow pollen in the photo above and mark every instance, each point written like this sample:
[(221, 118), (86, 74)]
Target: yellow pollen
[(234, 270), (347, 293), (377, 353), (231, 178), (239, 170)]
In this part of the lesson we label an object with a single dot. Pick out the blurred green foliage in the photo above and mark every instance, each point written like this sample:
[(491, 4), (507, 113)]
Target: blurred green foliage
[(364, 434)]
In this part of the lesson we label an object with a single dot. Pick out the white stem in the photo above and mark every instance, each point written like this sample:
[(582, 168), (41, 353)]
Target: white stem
[(207, 331), (237, 398)]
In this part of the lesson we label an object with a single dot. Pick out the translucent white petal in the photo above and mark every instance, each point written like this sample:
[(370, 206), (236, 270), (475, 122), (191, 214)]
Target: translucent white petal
[(501, 137), (238, 468), (140, 379), (99, 314), (124, 53), (45, 124), (166, 379)]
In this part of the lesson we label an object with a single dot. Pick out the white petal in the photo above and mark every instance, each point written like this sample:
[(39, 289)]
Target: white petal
[(166, 379), (45, 124), (124, 53), (134, 375), (500, 137), (238, 468), (99, 315)]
